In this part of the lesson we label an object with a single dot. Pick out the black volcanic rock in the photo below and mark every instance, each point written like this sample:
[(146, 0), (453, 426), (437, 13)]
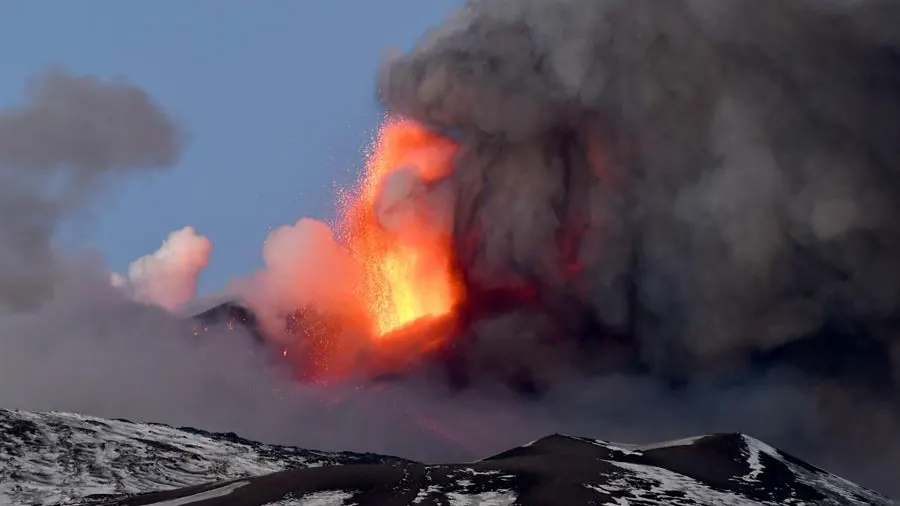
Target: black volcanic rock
[(231, 315), (59, 458)]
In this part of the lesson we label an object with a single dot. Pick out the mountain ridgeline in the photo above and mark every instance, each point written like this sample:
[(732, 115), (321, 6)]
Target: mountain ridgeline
[(62, 458)]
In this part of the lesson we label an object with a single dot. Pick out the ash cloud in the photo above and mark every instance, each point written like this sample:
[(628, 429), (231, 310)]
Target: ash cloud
[(706, 183), (742, 179), (735, 142)]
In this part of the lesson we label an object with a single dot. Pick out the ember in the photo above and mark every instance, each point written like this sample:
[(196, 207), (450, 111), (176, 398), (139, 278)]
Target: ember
[(405, 255)]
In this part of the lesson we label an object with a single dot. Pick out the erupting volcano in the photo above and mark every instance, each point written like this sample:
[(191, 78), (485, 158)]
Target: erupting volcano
[(599, 210), (404, 254), (394, 235)]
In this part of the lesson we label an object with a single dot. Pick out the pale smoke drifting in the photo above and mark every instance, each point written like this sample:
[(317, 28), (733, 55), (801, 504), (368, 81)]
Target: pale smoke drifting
[(72, 136), (304, 266), (65, 334), (69, 340), (168, 277)]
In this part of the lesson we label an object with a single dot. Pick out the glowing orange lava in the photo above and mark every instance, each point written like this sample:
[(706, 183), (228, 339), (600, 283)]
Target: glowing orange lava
[(406, 264)]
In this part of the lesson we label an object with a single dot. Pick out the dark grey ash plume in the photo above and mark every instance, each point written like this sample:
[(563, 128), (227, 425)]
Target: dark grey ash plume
[(735, 161), (710, 180)]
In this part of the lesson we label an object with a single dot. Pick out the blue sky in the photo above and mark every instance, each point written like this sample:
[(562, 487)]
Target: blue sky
[(277, 97)]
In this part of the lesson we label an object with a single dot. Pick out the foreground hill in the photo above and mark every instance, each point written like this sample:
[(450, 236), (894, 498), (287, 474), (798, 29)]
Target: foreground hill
[(64, 458), (61, 458)]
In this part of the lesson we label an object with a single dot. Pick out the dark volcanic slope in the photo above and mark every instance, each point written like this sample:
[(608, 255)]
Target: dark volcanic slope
[(719, 470), (63, 458), (725, 469)]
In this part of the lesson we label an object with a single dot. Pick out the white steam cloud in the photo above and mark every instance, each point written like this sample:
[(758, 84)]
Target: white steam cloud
[(304, 265), (168, 276)]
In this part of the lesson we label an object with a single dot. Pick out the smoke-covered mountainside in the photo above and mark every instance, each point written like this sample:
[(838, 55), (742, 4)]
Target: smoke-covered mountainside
[(827, 355), (62, 458)]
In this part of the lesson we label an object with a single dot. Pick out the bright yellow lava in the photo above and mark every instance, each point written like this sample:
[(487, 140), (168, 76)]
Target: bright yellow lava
[(406, 275)]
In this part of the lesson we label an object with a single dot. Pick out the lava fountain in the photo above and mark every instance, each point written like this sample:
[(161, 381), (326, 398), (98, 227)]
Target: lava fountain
[(394, 224)]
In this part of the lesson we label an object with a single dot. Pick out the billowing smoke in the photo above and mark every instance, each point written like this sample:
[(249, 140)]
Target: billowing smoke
[(721, 175), (303, 266), (407, 206), (690, 187), (168, 276)]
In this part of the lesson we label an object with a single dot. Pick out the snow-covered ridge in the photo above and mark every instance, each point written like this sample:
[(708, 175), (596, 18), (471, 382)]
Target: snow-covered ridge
[(61, 458), (765, 475), (64, 458)]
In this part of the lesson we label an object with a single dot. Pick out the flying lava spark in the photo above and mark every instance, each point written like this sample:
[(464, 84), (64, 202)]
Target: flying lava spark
[(405, 257)]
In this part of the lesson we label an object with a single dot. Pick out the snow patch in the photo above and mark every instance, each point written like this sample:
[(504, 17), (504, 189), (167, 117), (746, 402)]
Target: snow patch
[(644, 484), (530, 443), (826, 483), (325, 498), (497, 498), (669, 444), (637, 449), (202, 496), (754, 450), (425, 492)]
